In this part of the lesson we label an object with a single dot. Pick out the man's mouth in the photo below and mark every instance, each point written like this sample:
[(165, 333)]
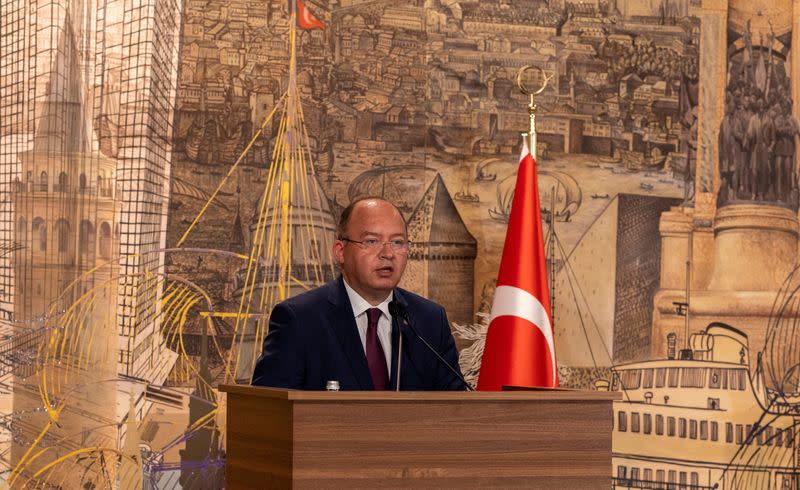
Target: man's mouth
[(385, 269)]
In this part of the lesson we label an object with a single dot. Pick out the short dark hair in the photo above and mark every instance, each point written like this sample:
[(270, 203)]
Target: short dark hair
[(344, 218)]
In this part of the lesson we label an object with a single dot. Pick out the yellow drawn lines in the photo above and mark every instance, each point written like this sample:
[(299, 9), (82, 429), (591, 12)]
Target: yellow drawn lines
[(277, 235), (178, 301), (87, 450), (57, 444), (171, 311), (255, 252), (230, 172), (79, 338), (23, 461), (320, 198), (65, 353), (184, 310), (175, 317)]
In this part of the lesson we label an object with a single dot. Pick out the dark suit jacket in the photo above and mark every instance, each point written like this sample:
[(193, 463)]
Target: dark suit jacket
[(313, 338)]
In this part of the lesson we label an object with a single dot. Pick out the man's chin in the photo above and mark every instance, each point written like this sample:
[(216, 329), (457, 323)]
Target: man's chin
[(385, 285)]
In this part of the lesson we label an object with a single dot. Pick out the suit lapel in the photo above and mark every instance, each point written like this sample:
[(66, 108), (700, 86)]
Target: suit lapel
[(344, 324)]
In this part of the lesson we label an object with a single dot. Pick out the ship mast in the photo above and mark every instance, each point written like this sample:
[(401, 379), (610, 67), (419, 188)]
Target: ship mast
[(291, 228), (289, 150)]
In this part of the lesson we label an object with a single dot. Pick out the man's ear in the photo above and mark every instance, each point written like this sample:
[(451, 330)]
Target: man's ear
[(338, 251)]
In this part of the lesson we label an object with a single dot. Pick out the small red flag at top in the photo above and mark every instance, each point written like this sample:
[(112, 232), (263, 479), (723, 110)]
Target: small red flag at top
[(520, 350), (305, 19)]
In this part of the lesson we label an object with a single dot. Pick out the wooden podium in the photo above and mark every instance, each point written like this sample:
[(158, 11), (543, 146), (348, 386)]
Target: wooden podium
[(533, 439)]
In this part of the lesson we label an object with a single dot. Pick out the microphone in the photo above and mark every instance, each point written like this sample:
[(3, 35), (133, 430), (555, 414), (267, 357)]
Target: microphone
[(399, 354), (398, 310), (393, 312)]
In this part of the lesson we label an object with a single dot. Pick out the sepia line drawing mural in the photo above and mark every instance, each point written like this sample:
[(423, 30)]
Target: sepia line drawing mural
[(170, 170)]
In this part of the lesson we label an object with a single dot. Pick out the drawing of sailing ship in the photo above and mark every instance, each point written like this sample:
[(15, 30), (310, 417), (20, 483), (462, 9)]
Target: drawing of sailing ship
[(505, 196), (195, 137), (605, 159), (481, 174), (215, 139), (197, 130), (554, 186), (390, 182), (634, 160), (464, 194), (230, 142)]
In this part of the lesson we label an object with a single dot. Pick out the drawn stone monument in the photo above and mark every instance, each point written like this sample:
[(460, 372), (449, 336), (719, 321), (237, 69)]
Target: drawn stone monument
[(740, 238)]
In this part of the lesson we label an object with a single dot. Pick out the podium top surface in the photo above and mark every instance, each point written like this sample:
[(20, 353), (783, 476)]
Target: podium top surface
[(416, 396)]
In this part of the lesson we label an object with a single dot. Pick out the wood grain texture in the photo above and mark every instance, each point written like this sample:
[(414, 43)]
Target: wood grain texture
[(258, 443), (381, 440)]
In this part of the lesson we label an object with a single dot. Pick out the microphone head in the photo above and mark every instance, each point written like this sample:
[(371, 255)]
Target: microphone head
[(395, 308)]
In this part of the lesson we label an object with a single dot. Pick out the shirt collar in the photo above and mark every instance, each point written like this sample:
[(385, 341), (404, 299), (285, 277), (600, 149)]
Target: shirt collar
[(360, 305)]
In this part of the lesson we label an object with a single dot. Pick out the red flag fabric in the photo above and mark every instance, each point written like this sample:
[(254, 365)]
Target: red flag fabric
[(520, 350), (305, 19)]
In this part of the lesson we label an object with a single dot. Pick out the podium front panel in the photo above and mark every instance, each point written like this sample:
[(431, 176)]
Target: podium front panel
[(373, 440)]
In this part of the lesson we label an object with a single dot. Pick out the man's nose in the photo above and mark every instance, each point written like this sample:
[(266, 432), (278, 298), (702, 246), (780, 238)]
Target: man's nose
[(387, 250)]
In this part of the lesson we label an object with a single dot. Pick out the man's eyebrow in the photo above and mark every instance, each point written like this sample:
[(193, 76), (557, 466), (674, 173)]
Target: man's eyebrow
[(375, 233)]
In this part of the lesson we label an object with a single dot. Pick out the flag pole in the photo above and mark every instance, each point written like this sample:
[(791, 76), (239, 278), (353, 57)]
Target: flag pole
[(515, 354), (531, 136)]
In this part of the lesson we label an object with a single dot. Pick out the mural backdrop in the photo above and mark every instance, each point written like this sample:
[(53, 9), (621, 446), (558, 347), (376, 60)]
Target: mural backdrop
[(170, 170)]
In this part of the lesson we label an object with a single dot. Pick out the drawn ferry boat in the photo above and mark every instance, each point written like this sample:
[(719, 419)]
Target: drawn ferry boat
[(700, 420)]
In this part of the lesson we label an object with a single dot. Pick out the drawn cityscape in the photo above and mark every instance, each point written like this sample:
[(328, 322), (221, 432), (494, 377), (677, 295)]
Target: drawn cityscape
[(148, 221)]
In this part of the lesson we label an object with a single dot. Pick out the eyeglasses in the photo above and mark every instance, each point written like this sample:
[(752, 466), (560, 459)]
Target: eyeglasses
[(397, 244)]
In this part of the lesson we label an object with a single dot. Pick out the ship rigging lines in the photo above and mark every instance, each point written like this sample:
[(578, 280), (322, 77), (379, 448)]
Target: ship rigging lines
[(291, 233)]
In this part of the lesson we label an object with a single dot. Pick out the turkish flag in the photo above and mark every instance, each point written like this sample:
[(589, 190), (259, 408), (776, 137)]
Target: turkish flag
[(305, 19), (519, 349)]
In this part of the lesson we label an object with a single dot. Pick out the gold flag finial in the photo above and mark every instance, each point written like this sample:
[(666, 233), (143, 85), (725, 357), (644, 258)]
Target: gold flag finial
[(531, 134)]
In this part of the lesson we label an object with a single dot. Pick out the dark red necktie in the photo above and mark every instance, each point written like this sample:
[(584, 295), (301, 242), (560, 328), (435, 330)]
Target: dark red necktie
[(376, 360)]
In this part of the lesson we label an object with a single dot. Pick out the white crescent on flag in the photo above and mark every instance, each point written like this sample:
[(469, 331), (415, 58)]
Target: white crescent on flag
[(513, 301)]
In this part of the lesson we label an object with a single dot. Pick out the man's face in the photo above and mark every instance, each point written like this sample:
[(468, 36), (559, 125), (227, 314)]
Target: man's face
[(372, 272)]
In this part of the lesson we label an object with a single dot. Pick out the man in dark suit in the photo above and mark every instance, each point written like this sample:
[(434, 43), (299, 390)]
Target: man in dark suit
[(344, 331)]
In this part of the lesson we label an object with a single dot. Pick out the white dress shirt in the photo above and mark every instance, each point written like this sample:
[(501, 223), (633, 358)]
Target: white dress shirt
[(360, 307)]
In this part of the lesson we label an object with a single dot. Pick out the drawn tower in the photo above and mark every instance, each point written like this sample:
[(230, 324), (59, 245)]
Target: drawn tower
[(85, 165), (441, 260)]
